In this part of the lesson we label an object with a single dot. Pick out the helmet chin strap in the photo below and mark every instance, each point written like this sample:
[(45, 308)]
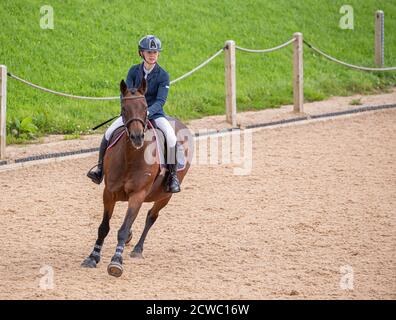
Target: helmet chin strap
[(142, 56)]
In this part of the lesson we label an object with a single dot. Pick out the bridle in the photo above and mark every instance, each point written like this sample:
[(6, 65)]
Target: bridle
[(127, 123)]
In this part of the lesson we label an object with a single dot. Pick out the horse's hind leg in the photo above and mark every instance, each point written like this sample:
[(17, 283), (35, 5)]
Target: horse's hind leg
[(93, 259), (152, 216)]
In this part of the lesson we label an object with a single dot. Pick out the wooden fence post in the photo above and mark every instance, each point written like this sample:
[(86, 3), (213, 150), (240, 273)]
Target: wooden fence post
[(298, 75), (230, 82), (379, 38), (3, 109)]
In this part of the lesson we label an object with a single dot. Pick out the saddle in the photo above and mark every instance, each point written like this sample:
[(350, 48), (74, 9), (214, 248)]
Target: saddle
[(158, 137)]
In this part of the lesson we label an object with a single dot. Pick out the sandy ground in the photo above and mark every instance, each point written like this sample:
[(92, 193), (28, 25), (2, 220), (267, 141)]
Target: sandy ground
[(56, 143), (314, 219)]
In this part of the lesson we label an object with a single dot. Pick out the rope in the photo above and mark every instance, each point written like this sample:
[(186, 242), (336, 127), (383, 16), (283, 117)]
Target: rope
[(201, 66), (267, 50), (60, 93), (347, 64), (198, 67)]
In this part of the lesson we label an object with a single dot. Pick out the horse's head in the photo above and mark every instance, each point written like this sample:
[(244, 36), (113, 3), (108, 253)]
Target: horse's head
[(134, 112)]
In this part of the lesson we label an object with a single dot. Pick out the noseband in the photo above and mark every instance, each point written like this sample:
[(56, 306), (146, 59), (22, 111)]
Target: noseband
[(143, 122)]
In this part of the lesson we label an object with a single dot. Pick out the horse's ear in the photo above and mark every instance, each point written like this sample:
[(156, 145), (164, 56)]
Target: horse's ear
[(123, 88), (143, 87)]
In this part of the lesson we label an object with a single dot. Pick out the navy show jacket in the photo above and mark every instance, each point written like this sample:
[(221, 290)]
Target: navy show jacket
[(157, 87)]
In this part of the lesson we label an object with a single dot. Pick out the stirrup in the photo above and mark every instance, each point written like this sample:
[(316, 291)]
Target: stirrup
[(95, 166)]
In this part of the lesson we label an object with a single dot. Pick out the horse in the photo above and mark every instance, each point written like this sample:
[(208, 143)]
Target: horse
[(130, 177)]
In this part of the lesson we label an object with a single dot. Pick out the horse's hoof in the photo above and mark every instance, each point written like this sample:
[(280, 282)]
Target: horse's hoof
[(115, 269), (88, 263), (129, 238), (136, 255)]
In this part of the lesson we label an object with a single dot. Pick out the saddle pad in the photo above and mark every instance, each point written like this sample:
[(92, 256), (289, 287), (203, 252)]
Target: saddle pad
[(116, 136), (161, 147), (159, 138)]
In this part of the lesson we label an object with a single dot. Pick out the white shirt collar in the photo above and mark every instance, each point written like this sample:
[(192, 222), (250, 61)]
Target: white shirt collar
[(147, 72)]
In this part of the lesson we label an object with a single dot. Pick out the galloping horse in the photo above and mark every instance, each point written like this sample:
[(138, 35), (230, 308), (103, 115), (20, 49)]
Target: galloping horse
[(129, 176)]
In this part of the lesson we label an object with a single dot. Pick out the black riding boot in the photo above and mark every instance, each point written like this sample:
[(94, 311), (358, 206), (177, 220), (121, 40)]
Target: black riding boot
[(173, 181), (173, 185), (97, 174)]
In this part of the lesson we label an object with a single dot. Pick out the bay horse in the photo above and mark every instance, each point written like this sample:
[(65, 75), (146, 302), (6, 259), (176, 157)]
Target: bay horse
[(130, 177)]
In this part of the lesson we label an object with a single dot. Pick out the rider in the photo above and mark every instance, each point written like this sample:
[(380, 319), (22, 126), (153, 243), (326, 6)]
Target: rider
[(156, 94)]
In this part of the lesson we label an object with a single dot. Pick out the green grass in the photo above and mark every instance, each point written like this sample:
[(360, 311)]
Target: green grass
[(93, 45), (72, 136), (356, 102)]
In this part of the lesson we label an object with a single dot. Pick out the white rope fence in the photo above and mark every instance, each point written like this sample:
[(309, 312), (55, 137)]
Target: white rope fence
[(266, 50), (203, 64), (68, 95), (59, 93), (198, 67), (345, 63)]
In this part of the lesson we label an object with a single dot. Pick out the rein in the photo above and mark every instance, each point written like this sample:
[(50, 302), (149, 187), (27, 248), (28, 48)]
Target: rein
[(107, 121)]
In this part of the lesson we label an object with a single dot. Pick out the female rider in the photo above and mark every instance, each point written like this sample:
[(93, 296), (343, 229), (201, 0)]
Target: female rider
[(157, 92)]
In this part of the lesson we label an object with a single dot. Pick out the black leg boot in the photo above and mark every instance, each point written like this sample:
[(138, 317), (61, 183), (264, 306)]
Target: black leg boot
[(173, 185), (97, 174)]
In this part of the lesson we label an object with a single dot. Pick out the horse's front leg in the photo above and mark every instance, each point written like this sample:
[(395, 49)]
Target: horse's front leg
[(134, 203), (93, 259)]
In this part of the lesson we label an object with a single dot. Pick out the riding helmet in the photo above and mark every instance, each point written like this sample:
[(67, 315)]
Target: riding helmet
[(150, 43)]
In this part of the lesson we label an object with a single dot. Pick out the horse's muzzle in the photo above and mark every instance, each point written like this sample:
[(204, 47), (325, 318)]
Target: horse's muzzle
[(137, 140)]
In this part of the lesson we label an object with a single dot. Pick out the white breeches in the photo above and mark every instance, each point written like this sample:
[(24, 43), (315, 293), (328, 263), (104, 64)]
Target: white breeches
[(117, 123), (161, 123)]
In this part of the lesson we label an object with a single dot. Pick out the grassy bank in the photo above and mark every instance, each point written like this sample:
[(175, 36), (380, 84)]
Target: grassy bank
[(93, 44)]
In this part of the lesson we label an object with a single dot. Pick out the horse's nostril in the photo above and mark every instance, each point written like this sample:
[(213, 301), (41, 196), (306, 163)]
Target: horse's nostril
[(136, 137)]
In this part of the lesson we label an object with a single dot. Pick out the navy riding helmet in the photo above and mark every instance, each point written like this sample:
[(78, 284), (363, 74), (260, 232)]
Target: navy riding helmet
[(150, 43)]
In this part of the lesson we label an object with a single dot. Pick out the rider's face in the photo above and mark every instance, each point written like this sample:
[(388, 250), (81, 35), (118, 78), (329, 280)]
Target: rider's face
[(151, 56)]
